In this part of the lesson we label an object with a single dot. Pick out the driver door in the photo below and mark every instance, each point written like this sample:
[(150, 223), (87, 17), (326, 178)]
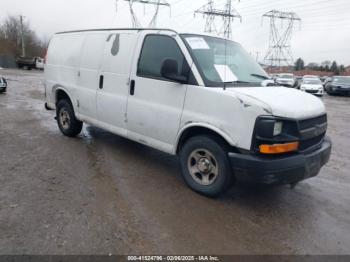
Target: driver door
[(155, 104)]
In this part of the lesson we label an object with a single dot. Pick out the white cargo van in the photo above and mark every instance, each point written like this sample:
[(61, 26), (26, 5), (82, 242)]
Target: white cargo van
[(199, 97)]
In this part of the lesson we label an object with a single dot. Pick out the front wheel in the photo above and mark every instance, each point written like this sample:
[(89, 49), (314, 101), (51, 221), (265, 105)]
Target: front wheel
[(67, 122), (205, 166)]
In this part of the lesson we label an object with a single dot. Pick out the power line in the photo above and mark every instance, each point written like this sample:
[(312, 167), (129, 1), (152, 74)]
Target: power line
[(228, 14), (302, 8), (156, 3)]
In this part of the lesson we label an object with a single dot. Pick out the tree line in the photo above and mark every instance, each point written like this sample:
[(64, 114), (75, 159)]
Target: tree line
[(326, 66), (11, 32)]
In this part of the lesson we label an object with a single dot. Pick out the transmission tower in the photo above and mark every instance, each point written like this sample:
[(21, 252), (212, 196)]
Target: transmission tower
[(280, 51), (155, 3), (228, 14)]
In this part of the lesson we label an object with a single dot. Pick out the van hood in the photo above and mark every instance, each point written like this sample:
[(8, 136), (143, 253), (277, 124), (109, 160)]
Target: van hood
[(283, 102)]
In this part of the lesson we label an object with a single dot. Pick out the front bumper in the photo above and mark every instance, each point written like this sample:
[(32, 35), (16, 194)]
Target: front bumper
[(282, 169), (318, 92), (339, 90), (285, 84), (2, 87)]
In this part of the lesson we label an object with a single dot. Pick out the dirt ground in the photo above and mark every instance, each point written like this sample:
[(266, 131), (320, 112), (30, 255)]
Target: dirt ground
[(102, 194)]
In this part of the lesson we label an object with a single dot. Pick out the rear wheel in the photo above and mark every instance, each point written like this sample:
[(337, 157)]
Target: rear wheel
[(205, 166), (67, 122)]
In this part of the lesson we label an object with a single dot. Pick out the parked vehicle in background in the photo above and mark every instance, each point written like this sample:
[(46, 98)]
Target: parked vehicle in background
[(338, 85), (325, 80), (28, 63), (39, 64), (312, 85), (199, 97), (3, 84), (297, 83), (286, 80), (310, 76)]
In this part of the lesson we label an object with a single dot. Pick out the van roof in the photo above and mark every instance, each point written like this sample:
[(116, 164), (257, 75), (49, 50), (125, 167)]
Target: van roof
[(117, 29), (138, 29)]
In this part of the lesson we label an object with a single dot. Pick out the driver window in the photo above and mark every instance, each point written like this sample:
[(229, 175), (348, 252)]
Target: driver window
[(156, 49)]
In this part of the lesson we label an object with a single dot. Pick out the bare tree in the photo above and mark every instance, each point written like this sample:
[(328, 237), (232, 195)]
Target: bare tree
[(10, 38)]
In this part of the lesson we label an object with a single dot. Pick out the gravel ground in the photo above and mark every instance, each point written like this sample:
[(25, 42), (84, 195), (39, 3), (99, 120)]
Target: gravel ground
[(102, 194)]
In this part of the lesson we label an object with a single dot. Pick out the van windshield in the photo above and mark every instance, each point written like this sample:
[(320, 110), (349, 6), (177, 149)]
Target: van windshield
[(312, 81), (223, 62)]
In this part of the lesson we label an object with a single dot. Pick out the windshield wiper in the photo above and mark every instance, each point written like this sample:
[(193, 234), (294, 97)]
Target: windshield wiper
[(237, 82), (260, 76)]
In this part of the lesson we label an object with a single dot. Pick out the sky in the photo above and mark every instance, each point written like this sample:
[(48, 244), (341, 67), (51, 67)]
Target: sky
[(324, 33)]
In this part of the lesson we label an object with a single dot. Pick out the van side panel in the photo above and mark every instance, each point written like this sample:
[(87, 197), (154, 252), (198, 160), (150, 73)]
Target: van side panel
[(89, 73), (63, 64), (116, 66)]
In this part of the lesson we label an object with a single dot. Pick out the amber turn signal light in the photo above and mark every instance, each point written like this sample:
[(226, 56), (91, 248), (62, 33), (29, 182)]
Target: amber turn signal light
[(279, 148)]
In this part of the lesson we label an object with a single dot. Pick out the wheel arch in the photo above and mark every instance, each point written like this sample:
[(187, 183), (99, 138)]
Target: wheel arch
[(195, 129), (59, 93)]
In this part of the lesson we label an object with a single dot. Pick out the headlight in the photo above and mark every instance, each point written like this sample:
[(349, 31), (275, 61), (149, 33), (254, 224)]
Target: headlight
[(269, 128), (270, 132), (277, 130)]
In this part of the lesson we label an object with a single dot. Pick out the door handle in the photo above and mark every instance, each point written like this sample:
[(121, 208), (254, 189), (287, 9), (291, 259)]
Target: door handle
[(132, 87), (101, 82)]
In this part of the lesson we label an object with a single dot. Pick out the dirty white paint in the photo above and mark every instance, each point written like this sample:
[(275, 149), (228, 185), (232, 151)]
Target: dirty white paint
[(160, 111)]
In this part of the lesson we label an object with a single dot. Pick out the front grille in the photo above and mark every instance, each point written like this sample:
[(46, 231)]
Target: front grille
[(314, 131), (306, 144), (312, 91), (309, 123)]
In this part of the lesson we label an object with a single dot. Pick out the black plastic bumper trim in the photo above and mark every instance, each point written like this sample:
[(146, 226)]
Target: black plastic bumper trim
[(280, 169)]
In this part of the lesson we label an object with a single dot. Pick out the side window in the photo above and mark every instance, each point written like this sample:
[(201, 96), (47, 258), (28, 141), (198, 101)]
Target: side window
[(156, 49)]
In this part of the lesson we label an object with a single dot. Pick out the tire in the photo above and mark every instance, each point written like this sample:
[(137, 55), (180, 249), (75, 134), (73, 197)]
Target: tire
[(205, 166), (66, 120)]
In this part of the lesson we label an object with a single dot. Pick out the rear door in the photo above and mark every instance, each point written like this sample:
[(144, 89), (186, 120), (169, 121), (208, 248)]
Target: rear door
[(155, 104), (114, 89)]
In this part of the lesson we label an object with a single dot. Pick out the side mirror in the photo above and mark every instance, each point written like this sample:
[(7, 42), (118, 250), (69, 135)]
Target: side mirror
[(170, 71)]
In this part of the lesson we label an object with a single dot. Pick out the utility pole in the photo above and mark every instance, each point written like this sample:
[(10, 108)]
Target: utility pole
[(156, 3), (210, 13), (280, 51), (228, 20), (22, 36)]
